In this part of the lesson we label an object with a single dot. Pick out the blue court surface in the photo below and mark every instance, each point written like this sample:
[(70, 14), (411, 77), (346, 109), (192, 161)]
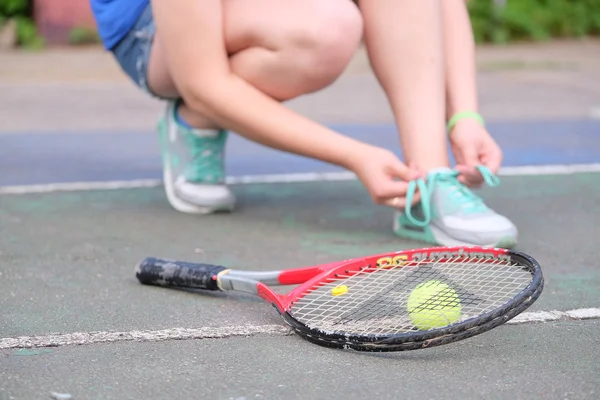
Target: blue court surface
[(115, 156), (74, 320)]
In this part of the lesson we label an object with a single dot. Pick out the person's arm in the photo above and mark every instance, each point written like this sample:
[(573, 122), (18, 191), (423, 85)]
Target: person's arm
[(461, 86), (191, 33), (471, 143)]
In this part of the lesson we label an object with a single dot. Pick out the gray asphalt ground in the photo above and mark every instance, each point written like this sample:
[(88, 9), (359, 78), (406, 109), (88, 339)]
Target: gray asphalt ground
[(67, 258)]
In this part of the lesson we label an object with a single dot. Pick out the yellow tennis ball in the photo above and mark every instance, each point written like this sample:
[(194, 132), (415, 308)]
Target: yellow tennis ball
[(433, 304)]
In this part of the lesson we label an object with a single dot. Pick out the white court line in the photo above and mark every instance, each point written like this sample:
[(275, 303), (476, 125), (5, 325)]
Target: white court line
[(277, 178), (78, 186), (86, 338), (532, 170)]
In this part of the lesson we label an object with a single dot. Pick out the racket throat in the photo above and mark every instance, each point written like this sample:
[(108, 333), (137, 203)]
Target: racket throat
[(246, 281), (253, 283), (229, 282)]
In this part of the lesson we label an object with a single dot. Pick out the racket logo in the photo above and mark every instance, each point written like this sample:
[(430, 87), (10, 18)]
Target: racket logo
[(396, 261)]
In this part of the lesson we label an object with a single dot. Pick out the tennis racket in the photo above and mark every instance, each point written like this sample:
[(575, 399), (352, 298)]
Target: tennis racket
[(395, 301)]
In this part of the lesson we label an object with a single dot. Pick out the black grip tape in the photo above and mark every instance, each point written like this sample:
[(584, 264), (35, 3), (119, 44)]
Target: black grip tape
[(160, 272)]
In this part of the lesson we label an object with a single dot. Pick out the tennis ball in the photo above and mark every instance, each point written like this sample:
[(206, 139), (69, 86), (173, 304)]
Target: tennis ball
[(433, 304)]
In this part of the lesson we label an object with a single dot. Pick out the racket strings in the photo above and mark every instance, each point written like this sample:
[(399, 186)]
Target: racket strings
[(374, 300)]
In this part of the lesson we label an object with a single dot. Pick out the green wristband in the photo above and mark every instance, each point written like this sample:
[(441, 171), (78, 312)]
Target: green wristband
[(462, 115)]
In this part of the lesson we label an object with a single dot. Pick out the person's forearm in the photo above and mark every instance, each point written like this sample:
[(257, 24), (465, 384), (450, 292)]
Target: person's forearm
[(235, 105), (461, 86)]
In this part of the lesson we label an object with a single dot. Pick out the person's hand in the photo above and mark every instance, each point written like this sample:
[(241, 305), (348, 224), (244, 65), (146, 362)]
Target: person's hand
[(472, 145), (385, 176)]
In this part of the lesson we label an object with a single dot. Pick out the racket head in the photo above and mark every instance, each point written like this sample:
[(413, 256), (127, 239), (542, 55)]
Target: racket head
[(362, 304)]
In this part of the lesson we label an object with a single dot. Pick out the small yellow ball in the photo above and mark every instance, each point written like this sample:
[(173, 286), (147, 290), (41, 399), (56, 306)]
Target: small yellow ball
[(433, 304)]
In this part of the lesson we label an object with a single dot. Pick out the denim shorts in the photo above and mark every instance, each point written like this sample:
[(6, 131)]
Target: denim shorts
[(133, 50)]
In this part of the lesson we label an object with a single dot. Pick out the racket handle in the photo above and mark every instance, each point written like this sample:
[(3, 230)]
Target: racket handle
[(161, 272)]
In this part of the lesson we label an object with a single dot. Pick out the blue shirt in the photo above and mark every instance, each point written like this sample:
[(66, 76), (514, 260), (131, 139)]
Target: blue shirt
[(114, 18)]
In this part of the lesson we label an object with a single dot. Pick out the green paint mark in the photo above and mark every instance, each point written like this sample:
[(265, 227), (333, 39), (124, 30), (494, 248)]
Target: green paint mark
[(547, 185), (275, 191), (358, 236), (355, 213), (289, 221), (50, 204), (588, 283), (31, 352)]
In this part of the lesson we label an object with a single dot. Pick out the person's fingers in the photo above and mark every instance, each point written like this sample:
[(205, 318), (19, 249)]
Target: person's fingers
[(399, 202), (404, 172), (470, 176), (387, 191), (420, 174), (493, 158), (469, 155), (469, 183), (394, 194), (392, 190), (468, 158), (396, 202)]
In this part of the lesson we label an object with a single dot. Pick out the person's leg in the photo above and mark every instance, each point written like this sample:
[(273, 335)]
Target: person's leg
[(409, 53), (285, 49), (403, 39)]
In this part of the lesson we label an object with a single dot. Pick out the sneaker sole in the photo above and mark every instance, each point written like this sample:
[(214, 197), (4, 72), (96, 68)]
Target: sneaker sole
[(442, 239), (184, 206)]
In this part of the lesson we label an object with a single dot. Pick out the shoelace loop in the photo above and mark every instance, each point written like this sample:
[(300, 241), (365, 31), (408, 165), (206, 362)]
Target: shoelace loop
[(410, 194), (470, 202), (488, 176)]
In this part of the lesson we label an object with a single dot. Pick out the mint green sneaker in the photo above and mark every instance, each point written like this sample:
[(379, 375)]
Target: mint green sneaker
[(193, 170), (450, 214)]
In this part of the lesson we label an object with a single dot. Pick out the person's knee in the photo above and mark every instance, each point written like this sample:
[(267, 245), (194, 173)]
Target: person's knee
[(320, 49)]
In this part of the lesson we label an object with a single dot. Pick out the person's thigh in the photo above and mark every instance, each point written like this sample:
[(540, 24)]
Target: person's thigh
[(283, 47)]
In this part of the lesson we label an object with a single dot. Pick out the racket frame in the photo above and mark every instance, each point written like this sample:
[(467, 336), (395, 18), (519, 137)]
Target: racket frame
[(260, 282)]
